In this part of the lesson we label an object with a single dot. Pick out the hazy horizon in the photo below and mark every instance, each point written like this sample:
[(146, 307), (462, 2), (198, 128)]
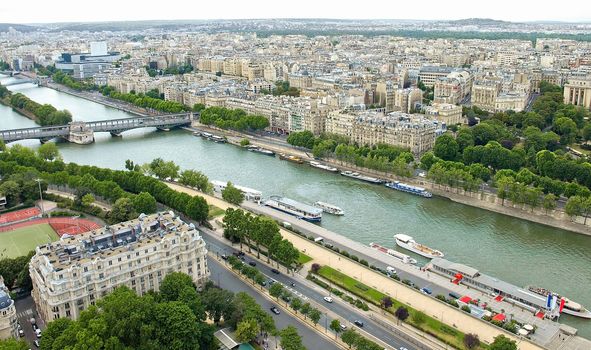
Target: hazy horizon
[(60, 11)]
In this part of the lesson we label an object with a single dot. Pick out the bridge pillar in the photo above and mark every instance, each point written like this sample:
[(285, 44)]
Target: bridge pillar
[(115, 133), (163, 128), (80, 134)]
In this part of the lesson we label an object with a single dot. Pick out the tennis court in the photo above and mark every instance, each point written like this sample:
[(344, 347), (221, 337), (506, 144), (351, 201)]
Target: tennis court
[(22, 240)]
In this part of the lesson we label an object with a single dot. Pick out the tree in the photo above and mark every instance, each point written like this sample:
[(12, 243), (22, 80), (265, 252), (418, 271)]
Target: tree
[(247, 330), (197, 209), (290, 339), (386, 302), (197, 179), (244, 142), (419, 317), (12, 191), (87, 200), (232, 195), (218, 303), (122, 210), (335, 325), (503, 343), (2, 144), (305, 309), (13, 344), (446, 147), (315, 315), (350, 337), (566, 128), (549, 202), (401, 313), (471, 341), (296, 304), (173, 283), (48, 151), (129, 165), (575, 206), (144, 203), (164, 170)]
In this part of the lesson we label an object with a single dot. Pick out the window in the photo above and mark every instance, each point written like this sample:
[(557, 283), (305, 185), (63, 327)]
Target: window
[(154, 249), (137, 253), (85, 268), (101, 275), (61, 276), (110, 263), (67, 305), (99, 267), (68, 314), (119, 259), (146, 251), (133, 282)]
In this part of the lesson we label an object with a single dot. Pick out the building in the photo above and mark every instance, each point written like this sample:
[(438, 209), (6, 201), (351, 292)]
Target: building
[(578, 92), (484, 94), (71, 274), (444, 113), (511, 101), (86, 65), (429, 74), (453, 88), (8, 322), (412, 131)]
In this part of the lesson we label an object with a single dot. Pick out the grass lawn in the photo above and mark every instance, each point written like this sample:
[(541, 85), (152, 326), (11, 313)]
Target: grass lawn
[(22, 240), (215, 211), (303, 258), (426, 323)]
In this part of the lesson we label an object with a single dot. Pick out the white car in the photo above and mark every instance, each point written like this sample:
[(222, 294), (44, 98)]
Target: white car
[(328, 299)]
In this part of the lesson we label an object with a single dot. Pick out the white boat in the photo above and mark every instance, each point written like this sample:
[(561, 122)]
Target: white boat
[(323, 166), (408, 243), (570, 307), (249, 193), (354, 175), (329, 208), (297, 209), (260, 150), (394, 253)]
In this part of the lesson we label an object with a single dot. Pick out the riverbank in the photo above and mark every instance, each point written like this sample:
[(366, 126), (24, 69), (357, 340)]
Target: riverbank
[(483, 200), (432, 307), (20, 111)]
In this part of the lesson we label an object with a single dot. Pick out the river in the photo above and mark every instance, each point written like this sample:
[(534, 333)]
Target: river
[(508, 248)]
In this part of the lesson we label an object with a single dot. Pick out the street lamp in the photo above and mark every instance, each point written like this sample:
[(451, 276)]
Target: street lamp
[(41, 197)]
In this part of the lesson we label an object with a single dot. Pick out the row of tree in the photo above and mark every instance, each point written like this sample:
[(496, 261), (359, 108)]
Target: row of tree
[(282, 88), (45, 114), (259, 231), (144, 101), (235, 119), (109, 184)]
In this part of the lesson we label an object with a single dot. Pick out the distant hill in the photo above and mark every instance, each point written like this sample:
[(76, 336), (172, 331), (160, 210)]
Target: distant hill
[(20, 27), (480, 22)]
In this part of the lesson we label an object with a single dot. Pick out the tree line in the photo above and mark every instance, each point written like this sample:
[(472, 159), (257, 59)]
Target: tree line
[(144, 101), (110, 184), (45, 114), (235, 119), (259, 231)]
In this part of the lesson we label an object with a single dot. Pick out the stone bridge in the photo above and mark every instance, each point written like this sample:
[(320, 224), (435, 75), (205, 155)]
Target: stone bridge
[(83, 132)]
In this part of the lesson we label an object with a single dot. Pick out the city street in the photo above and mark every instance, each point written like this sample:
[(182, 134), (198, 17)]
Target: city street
[(309, 292), (25, 310)]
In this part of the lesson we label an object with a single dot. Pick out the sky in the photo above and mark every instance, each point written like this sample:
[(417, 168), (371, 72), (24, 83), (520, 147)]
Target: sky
[(47, 11)]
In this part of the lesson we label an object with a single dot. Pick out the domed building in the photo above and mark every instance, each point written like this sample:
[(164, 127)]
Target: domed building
[(8, 324)]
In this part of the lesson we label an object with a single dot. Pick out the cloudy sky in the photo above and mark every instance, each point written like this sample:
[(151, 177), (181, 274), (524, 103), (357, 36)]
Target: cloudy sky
[(43, 11)]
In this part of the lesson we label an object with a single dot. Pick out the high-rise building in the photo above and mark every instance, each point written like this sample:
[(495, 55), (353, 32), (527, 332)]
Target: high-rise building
[(71, 274)]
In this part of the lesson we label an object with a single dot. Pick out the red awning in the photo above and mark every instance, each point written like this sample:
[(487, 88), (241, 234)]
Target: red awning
[(499, 298), (465, 299), (499, 317)]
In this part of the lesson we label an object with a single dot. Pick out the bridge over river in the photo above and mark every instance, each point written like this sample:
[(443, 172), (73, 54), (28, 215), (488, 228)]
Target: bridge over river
[(83, 132)]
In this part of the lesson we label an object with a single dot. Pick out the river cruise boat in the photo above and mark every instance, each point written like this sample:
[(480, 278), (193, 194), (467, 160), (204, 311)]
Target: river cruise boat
[(536, 302), (295, 208), (394, 253), (249, 193), (218, 139), (260, 150), (289, 158), (408, 243), (400, 186), (329, 208), (323, 166), (569, 307), (354, 175)]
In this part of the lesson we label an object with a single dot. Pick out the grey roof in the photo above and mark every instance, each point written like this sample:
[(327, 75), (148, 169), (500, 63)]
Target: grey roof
[(5, 300), (461, 268), (227, 341)]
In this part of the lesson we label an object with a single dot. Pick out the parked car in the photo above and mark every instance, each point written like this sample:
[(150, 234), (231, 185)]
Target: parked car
[(36, 342), (275, 271), (275, 310), (343, 327), (327, 299), (271, 282), (455, 295), (252, 263), (224, 256), (426, 290), (358, 323), (38, 332), (21, 333)]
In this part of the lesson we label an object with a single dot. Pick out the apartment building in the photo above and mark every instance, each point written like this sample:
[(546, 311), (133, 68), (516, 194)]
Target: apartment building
[(429, 74), (444, 113), (412, 131), (577, 91), (453, 88), (515, 101), (71, 274), (484, 94), (403, 100), (8, 321)]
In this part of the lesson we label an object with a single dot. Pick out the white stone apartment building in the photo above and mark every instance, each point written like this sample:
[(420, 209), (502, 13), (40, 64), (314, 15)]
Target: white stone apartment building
[(71, 274), (444, 113), (8, 321)]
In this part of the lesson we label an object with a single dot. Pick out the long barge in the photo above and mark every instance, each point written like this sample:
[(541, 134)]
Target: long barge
[(295, 208)]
